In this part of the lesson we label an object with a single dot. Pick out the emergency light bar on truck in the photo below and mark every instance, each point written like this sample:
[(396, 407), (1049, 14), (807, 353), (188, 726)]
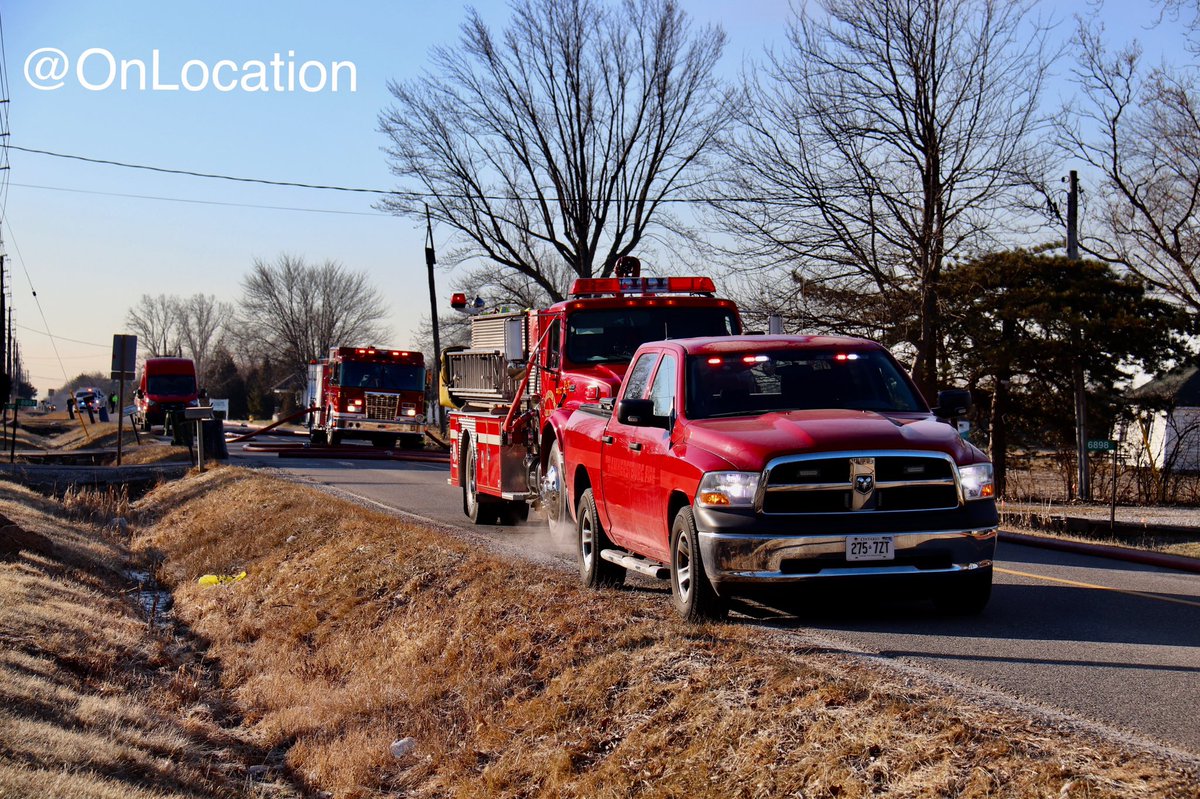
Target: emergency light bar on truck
[(615, 286)]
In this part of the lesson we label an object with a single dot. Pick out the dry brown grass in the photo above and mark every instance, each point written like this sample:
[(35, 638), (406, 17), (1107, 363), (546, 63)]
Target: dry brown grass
[(354, 629), (94, 701)]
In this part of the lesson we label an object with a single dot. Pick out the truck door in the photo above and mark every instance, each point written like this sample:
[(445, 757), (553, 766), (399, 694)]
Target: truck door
[(648, 503), (621, 465)]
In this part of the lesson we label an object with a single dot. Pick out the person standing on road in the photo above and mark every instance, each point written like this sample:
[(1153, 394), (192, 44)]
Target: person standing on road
[(71, 407), (112, 402)]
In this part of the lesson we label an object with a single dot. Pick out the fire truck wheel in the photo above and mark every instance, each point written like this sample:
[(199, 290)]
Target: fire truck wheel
[(553, 494), (335, 439), (478, 510), (595, 571), (316, 436), (691, 592)]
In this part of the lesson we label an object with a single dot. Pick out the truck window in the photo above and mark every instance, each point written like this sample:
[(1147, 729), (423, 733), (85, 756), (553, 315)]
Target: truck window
[(639, 376), (738, 384), (381, 376), (663, 390), (613, 334), (170, 385)]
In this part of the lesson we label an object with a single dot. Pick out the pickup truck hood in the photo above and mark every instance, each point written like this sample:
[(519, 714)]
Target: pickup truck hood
[(748, 442)]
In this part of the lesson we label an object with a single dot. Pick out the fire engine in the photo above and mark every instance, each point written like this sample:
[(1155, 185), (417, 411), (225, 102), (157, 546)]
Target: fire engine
[(371, 393), (511, 390)]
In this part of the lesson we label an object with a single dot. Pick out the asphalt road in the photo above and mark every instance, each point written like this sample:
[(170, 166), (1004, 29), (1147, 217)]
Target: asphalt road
[(1099, 639)]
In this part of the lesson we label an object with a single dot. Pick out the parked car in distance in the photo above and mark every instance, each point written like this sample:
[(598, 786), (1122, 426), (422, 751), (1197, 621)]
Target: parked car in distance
[(87, 398)]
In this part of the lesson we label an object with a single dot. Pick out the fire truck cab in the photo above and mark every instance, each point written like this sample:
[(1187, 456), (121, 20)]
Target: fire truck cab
[(525, 371), (371, 393)]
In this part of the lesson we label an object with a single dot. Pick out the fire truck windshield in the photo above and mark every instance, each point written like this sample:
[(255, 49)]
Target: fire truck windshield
[(612, 334), (171, 385), (382, 376)]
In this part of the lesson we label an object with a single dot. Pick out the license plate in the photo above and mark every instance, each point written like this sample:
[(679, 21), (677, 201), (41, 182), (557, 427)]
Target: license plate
[(870, 547)]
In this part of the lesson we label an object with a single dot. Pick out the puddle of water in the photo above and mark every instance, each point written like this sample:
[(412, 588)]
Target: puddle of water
[(154, 601)]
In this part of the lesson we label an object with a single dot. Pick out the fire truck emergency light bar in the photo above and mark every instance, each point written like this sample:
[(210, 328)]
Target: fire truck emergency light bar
[(373, 351), (593, 286)]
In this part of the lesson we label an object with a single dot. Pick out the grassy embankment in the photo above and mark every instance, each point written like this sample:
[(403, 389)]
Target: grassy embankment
[(94, 700), (354, 629)]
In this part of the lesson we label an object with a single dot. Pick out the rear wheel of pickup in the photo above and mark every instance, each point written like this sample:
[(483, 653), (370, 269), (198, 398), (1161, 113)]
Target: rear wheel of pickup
[(968, 595), (477, 510), (691, 592), (595, 571)]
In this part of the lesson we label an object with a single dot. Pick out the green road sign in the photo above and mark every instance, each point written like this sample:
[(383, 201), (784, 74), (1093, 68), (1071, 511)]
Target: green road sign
[(1101, 445), (26, 403)]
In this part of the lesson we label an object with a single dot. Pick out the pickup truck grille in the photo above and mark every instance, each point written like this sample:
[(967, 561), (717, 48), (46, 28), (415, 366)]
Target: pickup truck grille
[(382, 406), (858, 482)]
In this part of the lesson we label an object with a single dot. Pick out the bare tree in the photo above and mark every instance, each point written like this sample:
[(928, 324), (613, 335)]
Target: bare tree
[(301, 310), (200, 321), (1140, 130), (551, 149), (887, 137), (155, 321)]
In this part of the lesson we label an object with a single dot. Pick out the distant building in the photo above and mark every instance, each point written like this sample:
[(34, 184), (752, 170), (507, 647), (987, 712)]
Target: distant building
[(1167, 433)]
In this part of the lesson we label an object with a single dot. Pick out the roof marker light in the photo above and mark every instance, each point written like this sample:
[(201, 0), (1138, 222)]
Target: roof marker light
[(847, 356)]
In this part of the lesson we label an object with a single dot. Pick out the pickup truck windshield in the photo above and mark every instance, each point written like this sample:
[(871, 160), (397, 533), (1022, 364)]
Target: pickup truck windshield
[(747, 383), (383, 376), (171, 385), (612, 335)]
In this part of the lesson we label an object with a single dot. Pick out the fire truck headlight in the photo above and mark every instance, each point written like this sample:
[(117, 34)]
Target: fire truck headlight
[(727, 489)]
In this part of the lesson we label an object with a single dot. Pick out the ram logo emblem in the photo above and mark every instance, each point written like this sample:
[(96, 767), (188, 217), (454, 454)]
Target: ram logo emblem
[(862, 477)]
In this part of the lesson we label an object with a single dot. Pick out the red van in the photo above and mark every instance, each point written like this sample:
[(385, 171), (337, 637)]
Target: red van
[(167, 384)]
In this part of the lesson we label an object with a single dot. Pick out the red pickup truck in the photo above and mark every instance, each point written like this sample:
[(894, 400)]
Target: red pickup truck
[(745, 463)]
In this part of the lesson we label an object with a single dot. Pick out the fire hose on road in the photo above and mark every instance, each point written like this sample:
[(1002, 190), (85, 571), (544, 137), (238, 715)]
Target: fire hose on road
[(307, 450)]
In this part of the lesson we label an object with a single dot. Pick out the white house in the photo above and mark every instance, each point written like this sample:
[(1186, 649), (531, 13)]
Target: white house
[(1167, 433)]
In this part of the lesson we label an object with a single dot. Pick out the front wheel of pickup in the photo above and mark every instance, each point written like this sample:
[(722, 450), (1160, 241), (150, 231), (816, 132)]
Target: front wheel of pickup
[(595, 571), (691, 593), (967, 595)]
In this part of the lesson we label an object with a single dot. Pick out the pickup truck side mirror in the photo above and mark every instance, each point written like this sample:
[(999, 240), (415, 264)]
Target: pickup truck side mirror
[(640, 413), (953, 402)]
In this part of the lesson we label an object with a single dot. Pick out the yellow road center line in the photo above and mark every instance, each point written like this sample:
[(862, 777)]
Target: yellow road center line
[(1078, 584)]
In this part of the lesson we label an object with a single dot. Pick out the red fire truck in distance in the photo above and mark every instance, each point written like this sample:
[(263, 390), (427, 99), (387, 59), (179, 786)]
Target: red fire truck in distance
[(371, 393), (525, 371)]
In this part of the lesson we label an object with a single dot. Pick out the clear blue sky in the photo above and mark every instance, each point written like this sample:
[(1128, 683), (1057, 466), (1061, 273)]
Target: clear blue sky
[(89, 254)]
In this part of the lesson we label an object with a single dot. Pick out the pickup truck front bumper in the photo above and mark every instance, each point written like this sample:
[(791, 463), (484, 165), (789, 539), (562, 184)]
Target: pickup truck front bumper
[(742, 550)]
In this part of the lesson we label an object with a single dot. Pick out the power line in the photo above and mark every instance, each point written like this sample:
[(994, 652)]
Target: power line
[(408, 195), (201, 202), (215, 176), (63, 338)]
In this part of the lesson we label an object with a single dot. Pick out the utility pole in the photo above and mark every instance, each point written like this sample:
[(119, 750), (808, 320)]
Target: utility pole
[(1084, 477), (3, 322), (435, 414)]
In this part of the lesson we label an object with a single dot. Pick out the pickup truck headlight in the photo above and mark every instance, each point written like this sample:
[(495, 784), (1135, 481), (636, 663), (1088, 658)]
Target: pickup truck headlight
[(727, 490), (977, 481)]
